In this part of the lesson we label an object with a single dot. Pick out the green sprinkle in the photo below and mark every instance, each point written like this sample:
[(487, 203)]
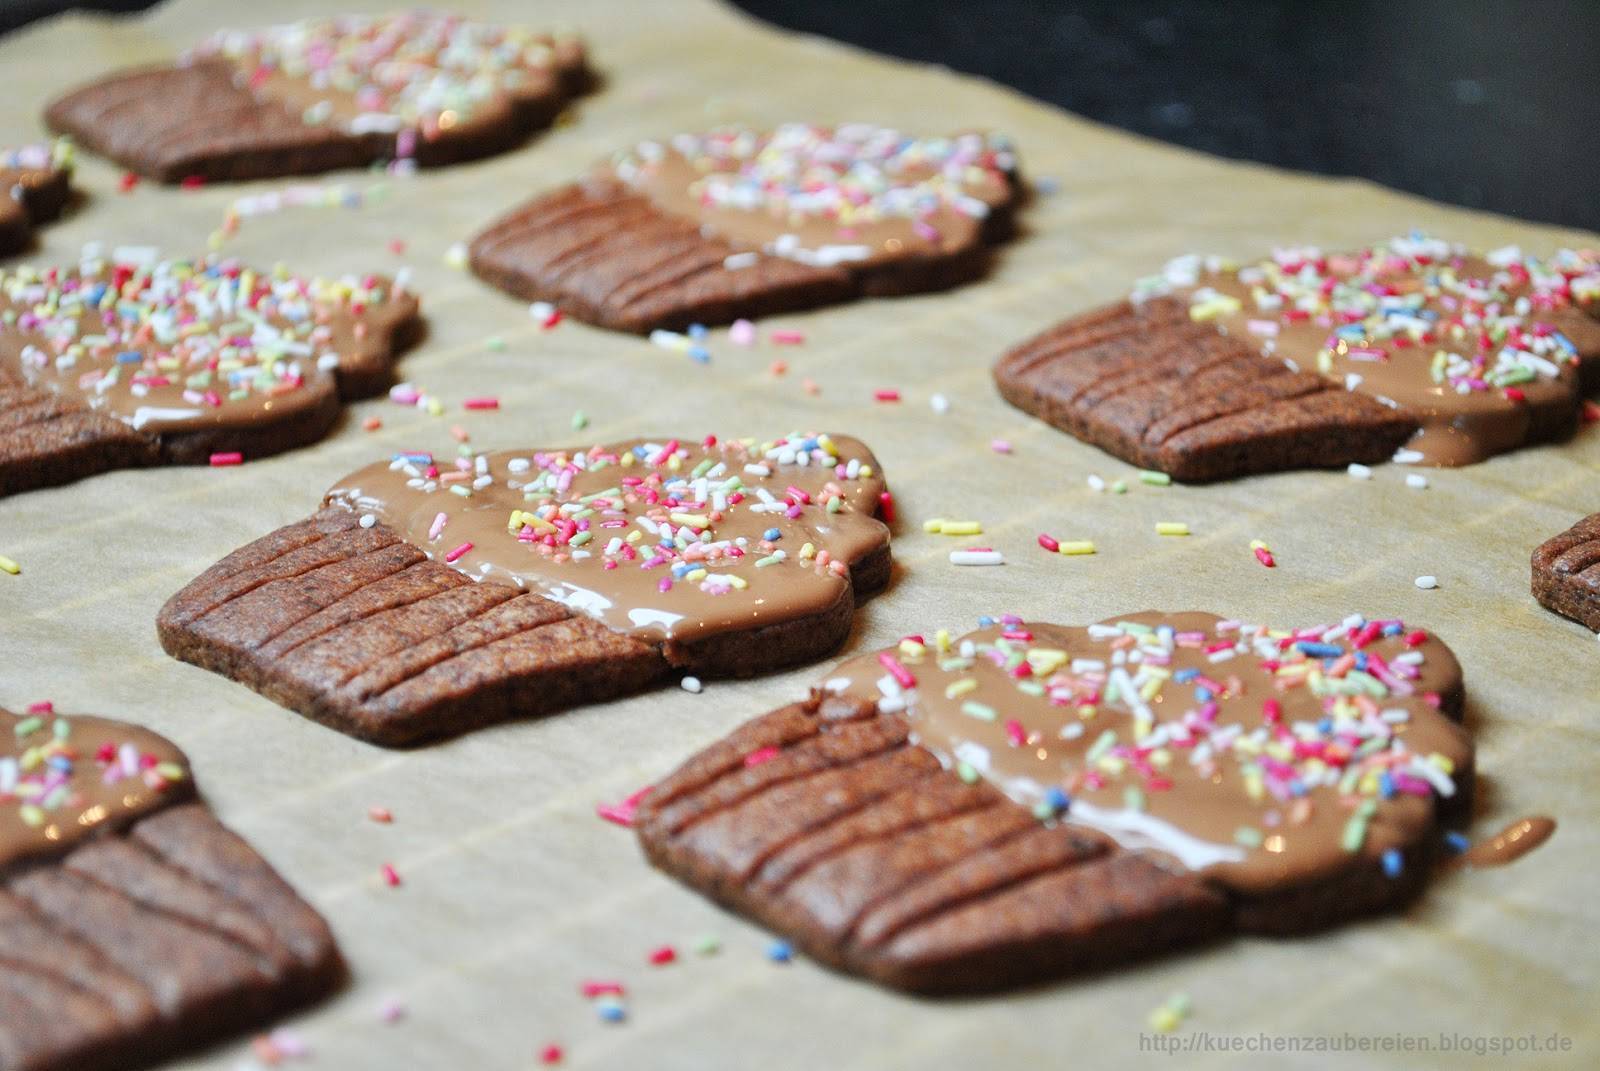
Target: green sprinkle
[(462, 490), (1106, 741), (966, 773), (1043, 811), (709, 945), (1030, 687), (31, 815), (61, 729), (28, 726), (1133, 798), (171, 771), (770, 559), (1157, 479), (494, 343), (978, 710), (579, 421), (581, 538), (1120, 487), (1249, 836), (1355, 833)]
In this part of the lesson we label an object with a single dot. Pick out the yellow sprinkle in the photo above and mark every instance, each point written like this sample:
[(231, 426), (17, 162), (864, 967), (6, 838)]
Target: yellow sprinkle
[(808, 551), (1078, 546), (1046, 660), (941, 638), (9, 566), (960, 687), (693, 520), (1443, 762), (739, 582), (912, 649), (933, 526), (1256, 544), (960, 528), (694, 576), (1172, 528)]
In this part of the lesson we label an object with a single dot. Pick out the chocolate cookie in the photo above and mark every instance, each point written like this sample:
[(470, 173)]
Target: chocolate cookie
[(1306, 360), (425, 600), (735, 223), (1034, 800), (1566, 573), (34, 183), (327, 93), (133, 361), (133, 925)]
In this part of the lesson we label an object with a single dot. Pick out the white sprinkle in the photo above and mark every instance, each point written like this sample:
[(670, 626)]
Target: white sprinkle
[(836, 684), (1417, 480), (976, 557), (939, 403), (736, 261), (518, 465), (1359, 472), (368, 520), (692, 684), (1427, 583), (1096, 483), (1407, 457), (541, 310)]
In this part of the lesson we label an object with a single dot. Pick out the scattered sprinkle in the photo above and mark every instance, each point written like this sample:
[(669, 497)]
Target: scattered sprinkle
[(579, 421), (1417, 480), (708, 945), (664, 955), (222, 460), (9, 566), (368, 520), (939, 403), (742, 333), (940, 526), (886, 395), (1155, 479), (482, 403), (1074, 548), (550, 1055), (1000, 446), (610, 1010), (391, 1011), (1170, 1015), (1172, 528), (787, 338), (621, 813), (1359, 472), (780, 952), (456, 255), (1263, 554), (381, 815), (977, 556), (1427, 583), (391, 876), (692, 684)]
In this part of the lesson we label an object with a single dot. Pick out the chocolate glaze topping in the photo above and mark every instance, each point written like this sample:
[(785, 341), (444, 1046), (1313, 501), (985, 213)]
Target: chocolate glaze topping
[(1263, 758), (1472, 345), (63, 780), (171, 345), (661, 539), (852, 195)]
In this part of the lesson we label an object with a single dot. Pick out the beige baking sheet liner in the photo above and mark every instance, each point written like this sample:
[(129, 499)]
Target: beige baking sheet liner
[(514, 892)]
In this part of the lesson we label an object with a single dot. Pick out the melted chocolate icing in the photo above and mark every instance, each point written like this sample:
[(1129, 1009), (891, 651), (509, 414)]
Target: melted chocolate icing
[(63, 780), (1262, 758), (660, 539)]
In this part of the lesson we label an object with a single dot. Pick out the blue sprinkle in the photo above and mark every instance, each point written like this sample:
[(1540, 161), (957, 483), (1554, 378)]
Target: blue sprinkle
[(772, 535), (1325, 726), (1057, 800), (1361, 661), (1564, 342), (129, 357), (1184, 676), (1319, 650), (1457, 842), (985, 621), (1046, 186), (780, 952), (1386, 785), (700, 354), (1393, 862), (1393, 629), (1204, 694), (698, 331), (60, 762), (611, 1011)]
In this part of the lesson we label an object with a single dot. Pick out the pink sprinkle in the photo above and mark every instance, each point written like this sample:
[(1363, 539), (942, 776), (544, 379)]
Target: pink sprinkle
[(223, 460), (46, 707), (621, 813), (391, 876), (372, 423), (664, 955), (1000, 446), (886, 395), (1016, 733), (900, 673), (742, 333), (551, 1054), (482, 403), (404, 394), (391, 1011), (760, 755), (664, 586), (397, 246), (602, 989), (381, 815), (1048, 543), (289, 1044), (437, 527), (458, 552), (787, 338)]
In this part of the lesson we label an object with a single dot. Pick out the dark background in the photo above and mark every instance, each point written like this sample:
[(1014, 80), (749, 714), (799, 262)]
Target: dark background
[(1479, 103)]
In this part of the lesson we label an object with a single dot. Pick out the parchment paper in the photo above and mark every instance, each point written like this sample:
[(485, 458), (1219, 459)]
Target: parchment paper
[(513, 891)]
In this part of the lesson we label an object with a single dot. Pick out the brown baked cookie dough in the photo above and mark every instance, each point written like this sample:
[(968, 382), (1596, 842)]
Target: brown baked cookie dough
[(1033, 800), (427, 599), (325, 93), (1306, 360), (34, 185), (133, 925), (1566, 573), (132, 360), (739, 223)]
